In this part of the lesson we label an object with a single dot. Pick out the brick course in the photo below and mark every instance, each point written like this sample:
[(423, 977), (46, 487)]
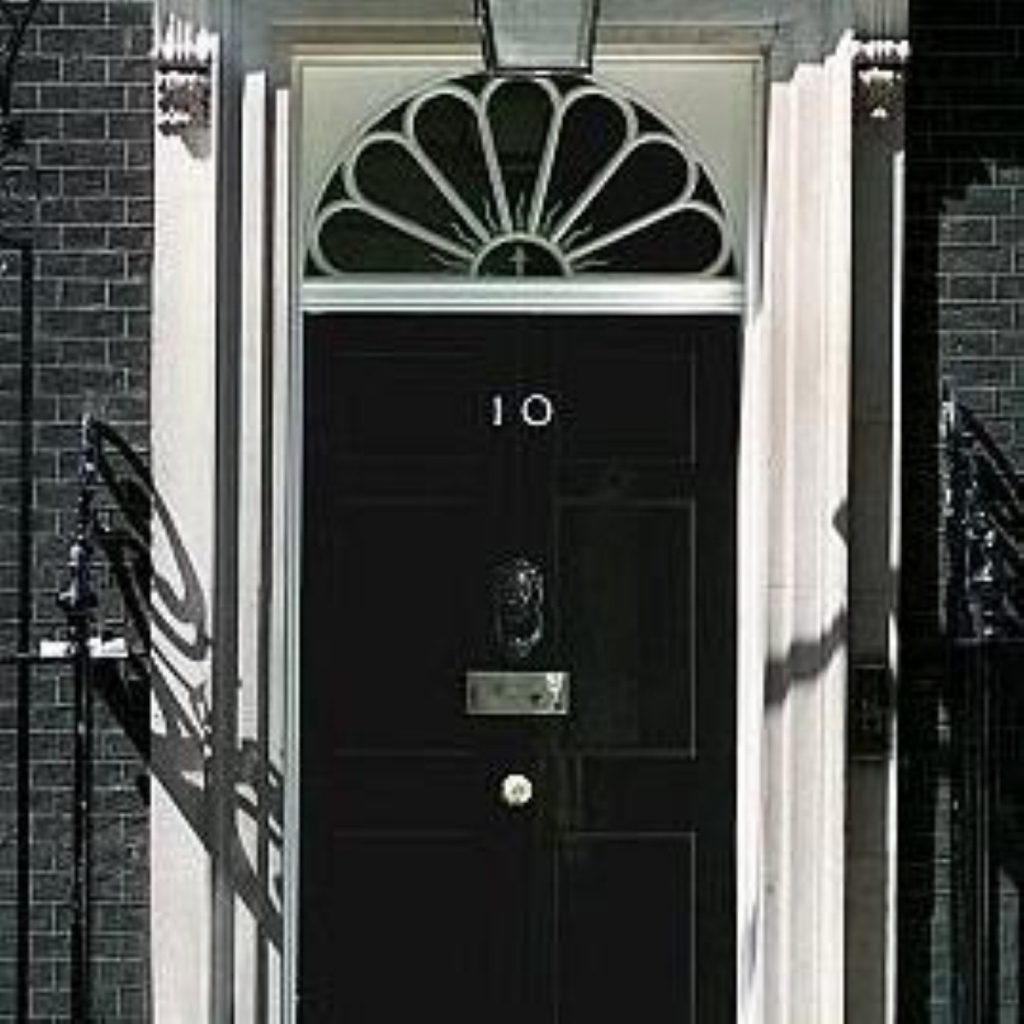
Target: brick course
[(84, 87)]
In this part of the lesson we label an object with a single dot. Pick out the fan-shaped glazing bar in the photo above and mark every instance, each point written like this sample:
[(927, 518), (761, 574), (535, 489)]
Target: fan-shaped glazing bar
[(562, 107), (384, 216)]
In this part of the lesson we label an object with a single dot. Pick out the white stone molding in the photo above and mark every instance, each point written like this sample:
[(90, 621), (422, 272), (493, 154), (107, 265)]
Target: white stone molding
[(285, 576), (656, 295), (806, 328), (257, 911), (183, 409)]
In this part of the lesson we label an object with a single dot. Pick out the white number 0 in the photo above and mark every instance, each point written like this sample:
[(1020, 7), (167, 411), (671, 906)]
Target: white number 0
[(535, 410)]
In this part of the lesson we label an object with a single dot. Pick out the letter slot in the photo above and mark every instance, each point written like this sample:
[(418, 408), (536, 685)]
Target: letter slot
[(517, 693)]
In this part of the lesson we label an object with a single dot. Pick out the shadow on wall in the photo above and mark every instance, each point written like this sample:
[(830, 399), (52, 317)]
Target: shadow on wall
[(807, 658), (167, 716)]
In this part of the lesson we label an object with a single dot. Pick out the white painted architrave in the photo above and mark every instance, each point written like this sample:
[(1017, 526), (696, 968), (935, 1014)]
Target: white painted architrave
[(252, 694), (282, 653), (804, 444), (639, 296), (183, 411)]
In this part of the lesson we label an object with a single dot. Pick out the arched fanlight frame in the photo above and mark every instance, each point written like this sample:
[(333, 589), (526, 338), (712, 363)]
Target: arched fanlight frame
[(538, 36), (520, 176)]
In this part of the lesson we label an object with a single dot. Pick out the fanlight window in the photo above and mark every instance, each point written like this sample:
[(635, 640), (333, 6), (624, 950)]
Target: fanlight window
[(520, 177)]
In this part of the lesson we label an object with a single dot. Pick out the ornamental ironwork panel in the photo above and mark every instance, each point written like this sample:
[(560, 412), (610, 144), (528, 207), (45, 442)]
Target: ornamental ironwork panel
[(984, 529), (983, 703)]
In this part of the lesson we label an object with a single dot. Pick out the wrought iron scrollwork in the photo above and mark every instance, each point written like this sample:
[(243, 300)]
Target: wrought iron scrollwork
[(78, 599), (984, 530)]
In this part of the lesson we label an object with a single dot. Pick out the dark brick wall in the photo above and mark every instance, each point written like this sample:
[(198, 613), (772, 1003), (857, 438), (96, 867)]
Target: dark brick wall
[(85, 90), (964, 323)]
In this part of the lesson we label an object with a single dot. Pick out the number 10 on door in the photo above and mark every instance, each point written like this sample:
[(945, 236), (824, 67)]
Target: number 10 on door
[(536, 411)]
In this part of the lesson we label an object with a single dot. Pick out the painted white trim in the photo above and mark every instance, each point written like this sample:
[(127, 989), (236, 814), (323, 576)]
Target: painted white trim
[(896, 567), (250, 513), (183, 403), (620, 294), (807, 318), (286, 587), (752, 490), (542, 295), (405, 41), (278, 717)]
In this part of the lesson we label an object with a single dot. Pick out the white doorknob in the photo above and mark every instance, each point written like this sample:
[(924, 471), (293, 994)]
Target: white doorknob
[(516, 790)]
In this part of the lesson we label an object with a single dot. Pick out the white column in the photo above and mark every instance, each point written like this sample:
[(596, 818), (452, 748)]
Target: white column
[(286, 478), (257, 930), (183, 407), (806, 324)]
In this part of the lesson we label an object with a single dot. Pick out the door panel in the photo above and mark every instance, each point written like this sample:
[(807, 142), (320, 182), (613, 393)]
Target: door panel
[(600, 453), (627, 911), (413, 916)]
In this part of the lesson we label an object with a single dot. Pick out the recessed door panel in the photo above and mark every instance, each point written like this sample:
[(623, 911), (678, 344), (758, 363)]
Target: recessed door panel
[(627, 922), (415, 925), (494, 505)]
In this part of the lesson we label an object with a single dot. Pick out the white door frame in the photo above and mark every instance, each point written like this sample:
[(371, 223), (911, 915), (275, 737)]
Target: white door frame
[(648, 295)]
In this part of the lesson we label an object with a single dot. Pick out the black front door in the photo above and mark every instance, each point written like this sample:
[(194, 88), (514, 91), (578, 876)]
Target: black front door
[(518, 670)]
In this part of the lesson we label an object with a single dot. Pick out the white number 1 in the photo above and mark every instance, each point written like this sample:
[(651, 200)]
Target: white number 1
[(497, 411)]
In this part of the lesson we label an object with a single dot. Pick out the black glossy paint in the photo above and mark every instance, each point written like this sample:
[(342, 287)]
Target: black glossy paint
[(609, 897)]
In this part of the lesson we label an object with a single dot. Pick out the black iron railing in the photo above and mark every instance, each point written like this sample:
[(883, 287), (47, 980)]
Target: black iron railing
[(984, 618), (112, 526), (17, 178), (23, 629), (984, 529)]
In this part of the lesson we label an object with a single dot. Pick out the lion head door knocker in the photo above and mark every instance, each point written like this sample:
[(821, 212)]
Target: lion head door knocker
[(517, 594)]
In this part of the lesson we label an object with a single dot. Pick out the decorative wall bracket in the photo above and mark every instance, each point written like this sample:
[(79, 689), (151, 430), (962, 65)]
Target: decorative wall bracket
[(879, 84), (184, 77)]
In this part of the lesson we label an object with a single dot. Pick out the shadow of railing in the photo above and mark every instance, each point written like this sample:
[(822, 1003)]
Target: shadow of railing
[(169, 614)]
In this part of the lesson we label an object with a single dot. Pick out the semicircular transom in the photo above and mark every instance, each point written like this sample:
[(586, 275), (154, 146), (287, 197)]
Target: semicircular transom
[(520, 176)]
